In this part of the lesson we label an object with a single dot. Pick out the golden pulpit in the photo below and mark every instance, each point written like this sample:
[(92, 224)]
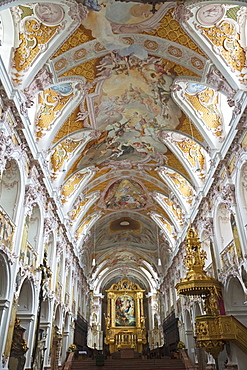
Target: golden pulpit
[(125, 321)]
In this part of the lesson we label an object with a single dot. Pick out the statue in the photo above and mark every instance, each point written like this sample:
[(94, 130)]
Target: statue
[(19, 348), (107, 322), (40, 352), (143, 322)]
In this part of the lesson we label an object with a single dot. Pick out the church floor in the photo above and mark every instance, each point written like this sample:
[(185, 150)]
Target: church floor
[(130, 364)]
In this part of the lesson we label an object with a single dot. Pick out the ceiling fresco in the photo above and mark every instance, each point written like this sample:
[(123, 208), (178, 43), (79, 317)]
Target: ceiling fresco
[(129, 106)]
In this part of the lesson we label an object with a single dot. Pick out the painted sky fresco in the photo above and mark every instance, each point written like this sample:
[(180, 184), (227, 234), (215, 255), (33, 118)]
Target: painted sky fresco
[(134, 107)]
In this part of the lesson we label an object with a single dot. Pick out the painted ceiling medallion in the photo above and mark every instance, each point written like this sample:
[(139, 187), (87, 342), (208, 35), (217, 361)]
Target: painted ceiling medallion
[(210, 14), (50, 14)]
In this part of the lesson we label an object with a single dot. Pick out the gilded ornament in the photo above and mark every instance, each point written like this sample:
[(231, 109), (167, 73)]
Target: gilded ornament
[(213, 347), (151, 45), (70, 125), (99, 47), (175, 163), (31, 43), (80, 54), (197, 63), (197, 282), (87, 70), (80, 36), (60, 64), (51, 105), (129, 40), (170, 29), (206, 102), (226, 39), (125, 322), (174, 51)]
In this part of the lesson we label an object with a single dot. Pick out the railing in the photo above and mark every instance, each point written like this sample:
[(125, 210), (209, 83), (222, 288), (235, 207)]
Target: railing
[(187, 363), (218, 329), (6, 230), (68, 362)]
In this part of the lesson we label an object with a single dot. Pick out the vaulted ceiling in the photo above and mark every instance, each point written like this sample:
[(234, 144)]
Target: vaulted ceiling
[(129, 109)]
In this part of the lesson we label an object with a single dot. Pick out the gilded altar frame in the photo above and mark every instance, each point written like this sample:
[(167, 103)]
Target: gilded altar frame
[(125, 321)]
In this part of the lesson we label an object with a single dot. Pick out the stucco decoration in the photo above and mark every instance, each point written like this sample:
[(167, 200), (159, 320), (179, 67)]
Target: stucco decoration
[(204, 103), (181, 13), (221, 28), (216, 80), (39, 83)]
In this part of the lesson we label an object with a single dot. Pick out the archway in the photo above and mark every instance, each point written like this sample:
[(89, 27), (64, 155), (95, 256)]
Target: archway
[(235, 304), (10, 189), (200, 354), (66, 332), (242, 194), (45, 326), (25, 312), (235, 300), (4, 298), (56, 339), (189, 339)]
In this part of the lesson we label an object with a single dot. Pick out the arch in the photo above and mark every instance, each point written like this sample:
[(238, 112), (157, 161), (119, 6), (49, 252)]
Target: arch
[(34, 227), (58, 317), (205, 243), (5, 285), (197, 310), (26, 298), (5, 277), (45, 311), (66, 331), (10, 187), (8, 37), (187, 320), (235, 299), (241, 193), (189, 337), (25, 313)]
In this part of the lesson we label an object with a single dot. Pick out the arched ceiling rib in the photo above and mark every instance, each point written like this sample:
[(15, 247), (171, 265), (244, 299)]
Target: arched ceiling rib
[(128, 108)]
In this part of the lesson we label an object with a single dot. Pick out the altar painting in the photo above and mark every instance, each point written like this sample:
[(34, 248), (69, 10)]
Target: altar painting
[(125, 311)]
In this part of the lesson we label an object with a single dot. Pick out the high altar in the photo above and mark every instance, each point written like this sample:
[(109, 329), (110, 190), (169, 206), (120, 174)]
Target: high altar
[(125, 321)]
